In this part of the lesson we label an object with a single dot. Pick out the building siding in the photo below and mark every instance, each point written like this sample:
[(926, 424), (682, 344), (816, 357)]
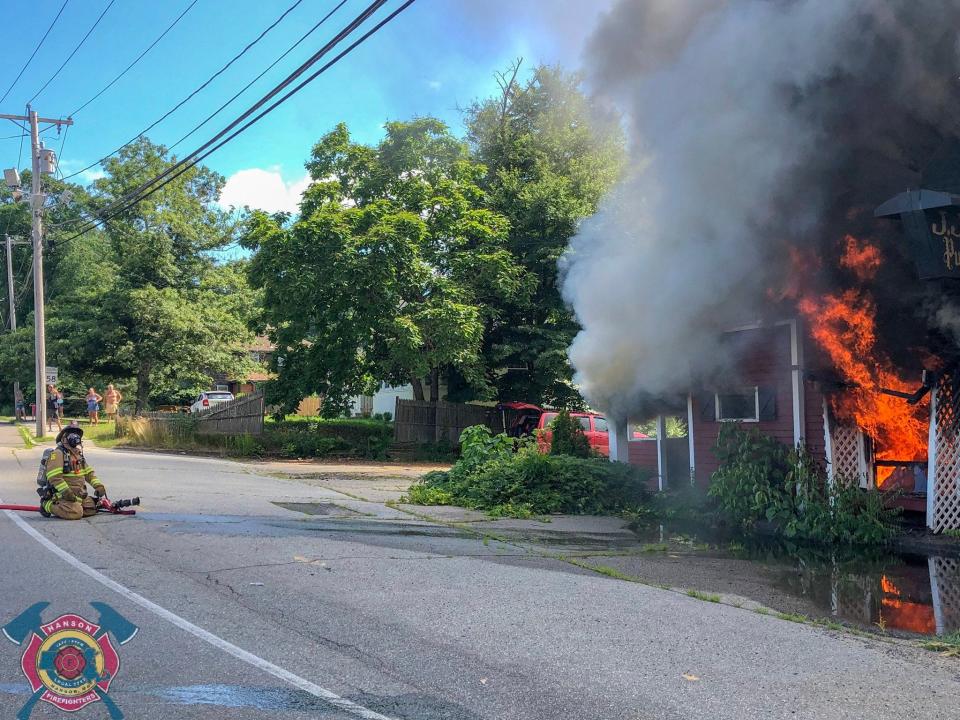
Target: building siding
[(643, 453), (758, 357)]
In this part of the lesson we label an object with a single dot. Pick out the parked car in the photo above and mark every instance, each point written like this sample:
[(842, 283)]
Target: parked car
[(209, 398), (594, 427)]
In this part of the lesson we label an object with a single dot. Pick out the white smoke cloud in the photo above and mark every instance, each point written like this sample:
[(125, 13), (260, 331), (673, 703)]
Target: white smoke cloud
[(726, 145), (263, 190)]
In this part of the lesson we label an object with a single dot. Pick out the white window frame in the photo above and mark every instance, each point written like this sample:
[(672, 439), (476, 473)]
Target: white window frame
[(745, 391)]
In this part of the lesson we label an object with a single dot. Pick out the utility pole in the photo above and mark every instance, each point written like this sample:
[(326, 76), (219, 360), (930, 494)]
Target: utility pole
[(41, 162), (39, 326)]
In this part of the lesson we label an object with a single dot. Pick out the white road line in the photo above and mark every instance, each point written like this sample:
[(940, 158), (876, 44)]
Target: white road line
[(218, 642)]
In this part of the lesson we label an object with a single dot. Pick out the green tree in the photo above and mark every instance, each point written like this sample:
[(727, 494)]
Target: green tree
[(64, 205), (390, 274), (550, 157), (567, 437), (145, 298)]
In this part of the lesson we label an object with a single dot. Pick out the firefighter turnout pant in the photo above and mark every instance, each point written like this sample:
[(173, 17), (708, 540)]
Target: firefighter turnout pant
[(80, 508)]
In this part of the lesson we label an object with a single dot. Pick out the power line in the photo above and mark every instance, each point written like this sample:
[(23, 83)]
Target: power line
[(138, 58), (39, 45), (142, 193), (239, 92), (192, 94), (20, 151), (264, 72), (74, 52), (60, 154), (196, 156), (136, 196)]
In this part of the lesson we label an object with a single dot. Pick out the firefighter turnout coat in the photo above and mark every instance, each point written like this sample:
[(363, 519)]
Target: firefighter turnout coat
[(68, 475)]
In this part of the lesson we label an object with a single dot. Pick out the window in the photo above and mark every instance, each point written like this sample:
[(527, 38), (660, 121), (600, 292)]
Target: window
[(742, 404), (584, 420), (600, 424)]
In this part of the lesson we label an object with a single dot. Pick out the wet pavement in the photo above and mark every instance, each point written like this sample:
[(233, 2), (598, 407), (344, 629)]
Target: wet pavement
[(427, 618)]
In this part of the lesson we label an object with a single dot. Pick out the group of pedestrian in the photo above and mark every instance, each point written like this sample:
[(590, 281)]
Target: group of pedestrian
[(111, 400)]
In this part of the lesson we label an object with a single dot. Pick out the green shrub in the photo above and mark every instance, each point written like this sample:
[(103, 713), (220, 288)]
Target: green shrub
[(316, 437), (761, 479), (496, 476), (427, 495), (568, 437), (435, 452), (295, 438)]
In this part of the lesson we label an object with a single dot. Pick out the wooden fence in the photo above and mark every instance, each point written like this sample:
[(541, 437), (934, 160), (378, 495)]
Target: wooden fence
[(243, 416), (440, 422)]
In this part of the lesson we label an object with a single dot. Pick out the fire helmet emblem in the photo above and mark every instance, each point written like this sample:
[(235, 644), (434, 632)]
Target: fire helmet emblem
[(70, 662)]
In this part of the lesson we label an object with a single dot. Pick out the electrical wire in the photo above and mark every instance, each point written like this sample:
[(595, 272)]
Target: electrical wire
[(39, 45), (135, 195), (238, 93), (142, 193), (74, 52), (138, 58), (192, 94), (264, 72), (60, 154), (20, 152), (191, 159)]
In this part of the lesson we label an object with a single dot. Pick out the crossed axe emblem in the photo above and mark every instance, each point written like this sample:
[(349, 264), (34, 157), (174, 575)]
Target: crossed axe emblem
[(30, 622)]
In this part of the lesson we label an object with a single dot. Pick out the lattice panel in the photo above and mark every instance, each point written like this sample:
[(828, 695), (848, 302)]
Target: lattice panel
[(852, 597), (945, 577), (845, 442), (946, 501)]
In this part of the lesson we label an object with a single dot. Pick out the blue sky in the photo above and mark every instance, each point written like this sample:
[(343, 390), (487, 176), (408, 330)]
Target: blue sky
[(436, 57)]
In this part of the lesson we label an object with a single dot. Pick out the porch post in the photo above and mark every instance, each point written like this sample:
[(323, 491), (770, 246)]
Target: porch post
[(619, 450), (932, 462), (828, 443), (796, 382), (690, 448), (661, 452)]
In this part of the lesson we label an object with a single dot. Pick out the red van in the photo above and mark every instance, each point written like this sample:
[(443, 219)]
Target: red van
[(594, 427)]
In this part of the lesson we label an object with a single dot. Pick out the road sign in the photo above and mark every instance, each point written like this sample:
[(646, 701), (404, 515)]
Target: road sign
[(51, 374)]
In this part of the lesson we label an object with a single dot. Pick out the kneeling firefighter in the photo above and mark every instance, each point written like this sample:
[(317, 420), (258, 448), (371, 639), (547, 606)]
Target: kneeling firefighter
[(64, 492)]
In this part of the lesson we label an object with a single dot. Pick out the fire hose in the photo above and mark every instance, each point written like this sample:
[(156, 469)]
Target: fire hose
[(104, 504)]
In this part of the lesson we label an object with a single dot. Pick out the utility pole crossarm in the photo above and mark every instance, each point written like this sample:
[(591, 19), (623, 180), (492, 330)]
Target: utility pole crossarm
[(26, 118)]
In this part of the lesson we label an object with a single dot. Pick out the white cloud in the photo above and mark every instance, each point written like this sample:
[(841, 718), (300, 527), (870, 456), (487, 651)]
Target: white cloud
[(263, 190), (88, 176), (434, 84)]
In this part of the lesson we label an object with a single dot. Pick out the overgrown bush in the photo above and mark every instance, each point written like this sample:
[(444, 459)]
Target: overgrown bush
[(316, 437), (761, 479), (568, 437), (496, 476), (173, 432), (294, 438)]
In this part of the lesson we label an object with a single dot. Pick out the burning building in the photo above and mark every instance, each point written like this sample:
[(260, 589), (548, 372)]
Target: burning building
[(786, 248)]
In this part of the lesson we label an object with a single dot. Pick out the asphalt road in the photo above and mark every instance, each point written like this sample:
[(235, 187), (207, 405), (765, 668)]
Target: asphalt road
[(250, 610)]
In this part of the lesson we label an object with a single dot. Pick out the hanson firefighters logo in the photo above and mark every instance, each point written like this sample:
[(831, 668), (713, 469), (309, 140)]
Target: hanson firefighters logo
[(70, 662)]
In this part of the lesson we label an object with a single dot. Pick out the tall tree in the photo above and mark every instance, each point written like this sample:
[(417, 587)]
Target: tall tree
[(551, 156), (151, 291), (64, 205), (390, 274)]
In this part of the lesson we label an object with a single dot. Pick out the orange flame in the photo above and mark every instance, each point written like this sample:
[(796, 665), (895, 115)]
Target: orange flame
[(844, 326), (862, 258), (903, 614)]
